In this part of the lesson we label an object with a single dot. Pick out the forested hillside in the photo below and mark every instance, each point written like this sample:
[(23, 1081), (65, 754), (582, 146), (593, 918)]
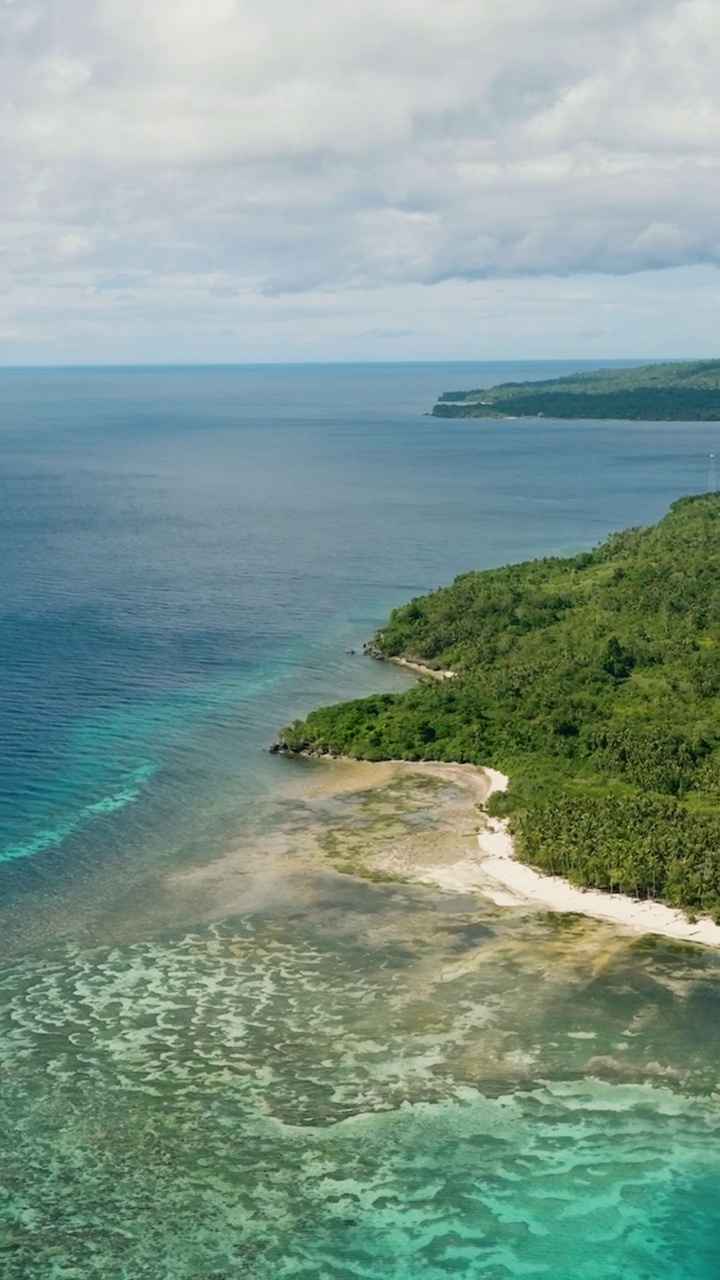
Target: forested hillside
[(686, 391), (594, 682)]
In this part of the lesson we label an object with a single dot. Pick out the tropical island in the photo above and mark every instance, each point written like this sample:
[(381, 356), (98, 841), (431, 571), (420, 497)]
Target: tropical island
[(592, 681), (681, 391)]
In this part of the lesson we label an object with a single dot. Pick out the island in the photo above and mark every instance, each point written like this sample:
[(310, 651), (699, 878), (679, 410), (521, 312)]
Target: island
[(593, 682), (680, 391)]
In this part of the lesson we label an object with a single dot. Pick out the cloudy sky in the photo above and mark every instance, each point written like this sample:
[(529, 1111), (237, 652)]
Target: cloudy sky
[(358, 179)]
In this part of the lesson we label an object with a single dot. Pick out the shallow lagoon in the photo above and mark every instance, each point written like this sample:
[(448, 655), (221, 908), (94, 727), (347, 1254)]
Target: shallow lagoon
[(361, 1079)]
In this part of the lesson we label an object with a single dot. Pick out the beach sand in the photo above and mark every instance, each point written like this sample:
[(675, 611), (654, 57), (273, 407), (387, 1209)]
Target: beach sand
[(417, 822), (486, 863), (524, 884), (420, 668)]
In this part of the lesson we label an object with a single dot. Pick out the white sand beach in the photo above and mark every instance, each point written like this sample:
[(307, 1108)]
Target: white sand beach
[(420, 668), (454, 846), (524, 884), (477, 855)]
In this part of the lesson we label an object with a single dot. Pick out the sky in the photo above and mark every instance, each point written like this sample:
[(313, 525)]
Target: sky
[(249, 180)]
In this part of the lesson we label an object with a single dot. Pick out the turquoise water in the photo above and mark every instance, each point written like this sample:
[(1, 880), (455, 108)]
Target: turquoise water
[(286, 1071), (274, 1099)]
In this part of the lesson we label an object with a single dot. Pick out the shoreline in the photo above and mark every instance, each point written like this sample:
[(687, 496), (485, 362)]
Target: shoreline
[(498, 862), (487, 865), (419, 667)]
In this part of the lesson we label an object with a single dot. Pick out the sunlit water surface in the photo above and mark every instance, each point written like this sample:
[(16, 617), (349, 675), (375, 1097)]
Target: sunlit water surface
[(221, 1054)]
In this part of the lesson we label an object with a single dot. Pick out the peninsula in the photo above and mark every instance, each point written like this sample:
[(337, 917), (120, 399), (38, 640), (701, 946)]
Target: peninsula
[(594, 683), (684, 391)]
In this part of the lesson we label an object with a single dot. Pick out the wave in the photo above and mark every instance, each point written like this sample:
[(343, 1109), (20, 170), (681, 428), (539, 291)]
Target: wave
[(47, 837)]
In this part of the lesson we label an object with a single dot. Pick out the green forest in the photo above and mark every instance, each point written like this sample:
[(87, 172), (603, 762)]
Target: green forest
[(594, 682), (685, 391)]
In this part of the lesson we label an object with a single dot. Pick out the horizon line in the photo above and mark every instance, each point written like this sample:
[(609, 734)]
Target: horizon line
[(258, 364)]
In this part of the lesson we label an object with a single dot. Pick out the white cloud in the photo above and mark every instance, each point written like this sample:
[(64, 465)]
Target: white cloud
[(74, 245), (273, 147)]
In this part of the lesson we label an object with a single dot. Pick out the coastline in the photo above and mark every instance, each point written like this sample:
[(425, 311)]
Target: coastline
[(523, 881), (481, 860), (418, 667)]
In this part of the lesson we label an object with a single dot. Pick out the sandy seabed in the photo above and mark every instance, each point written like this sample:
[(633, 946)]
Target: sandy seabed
[(487, 864), (418, 822)]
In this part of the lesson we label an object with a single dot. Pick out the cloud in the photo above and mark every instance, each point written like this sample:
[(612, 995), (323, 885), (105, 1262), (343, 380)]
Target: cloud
[(266, 147), (73, 245), (385, 333)]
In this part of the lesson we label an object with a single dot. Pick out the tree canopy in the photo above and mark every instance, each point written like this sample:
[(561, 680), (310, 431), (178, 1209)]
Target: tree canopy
[(594, 681), (687, 391)]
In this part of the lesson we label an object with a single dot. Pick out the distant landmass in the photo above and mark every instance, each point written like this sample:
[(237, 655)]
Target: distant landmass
[(681, 391), (594, 682)]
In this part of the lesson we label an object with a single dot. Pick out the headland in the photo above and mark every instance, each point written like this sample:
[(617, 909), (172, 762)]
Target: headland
[(593, 682), (681, 391)]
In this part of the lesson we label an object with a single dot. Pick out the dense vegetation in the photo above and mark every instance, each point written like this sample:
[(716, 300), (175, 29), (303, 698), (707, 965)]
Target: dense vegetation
[(687, 391), (594, 682)]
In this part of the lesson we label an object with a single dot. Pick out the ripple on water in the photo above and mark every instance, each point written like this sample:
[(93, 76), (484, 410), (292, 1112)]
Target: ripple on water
[(242, 1105)]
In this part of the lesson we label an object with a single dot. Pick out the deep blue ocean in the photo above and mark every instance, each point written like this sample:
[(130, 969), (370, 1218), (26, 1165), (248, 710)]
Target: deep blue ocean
[(270, 1086)]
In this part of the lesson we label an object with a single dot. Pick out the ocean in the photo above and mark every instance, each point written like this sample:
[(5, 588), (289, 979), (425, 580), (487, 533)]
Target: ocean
[(221, 1055)]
